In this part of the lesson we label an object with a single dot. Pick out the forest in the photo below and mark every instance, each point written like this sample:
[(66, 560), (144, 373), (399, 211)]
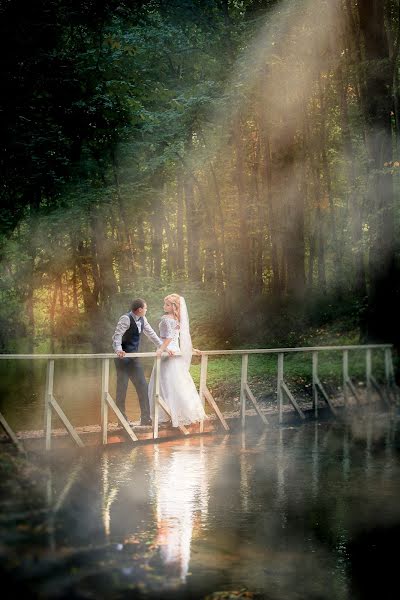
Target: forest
[(242, 153)]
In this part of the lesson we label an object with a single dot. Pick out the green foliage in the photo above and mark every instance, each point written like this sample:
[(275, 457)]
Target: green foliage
[(121, 119)]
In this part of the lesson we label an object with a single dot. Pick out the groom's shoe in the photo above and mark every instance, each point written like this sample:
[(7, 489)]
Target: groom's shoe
[(146, 422)]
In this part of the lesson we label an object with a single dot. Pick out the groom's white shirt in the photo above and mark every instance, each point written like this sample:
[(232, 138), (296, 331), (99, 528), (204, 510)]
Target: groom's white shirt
[(124, 324)]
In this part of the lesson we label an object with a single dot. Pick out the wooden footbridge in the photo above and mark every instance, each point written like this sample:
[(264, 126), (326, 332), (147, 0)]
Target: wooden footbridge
[(106, 432)]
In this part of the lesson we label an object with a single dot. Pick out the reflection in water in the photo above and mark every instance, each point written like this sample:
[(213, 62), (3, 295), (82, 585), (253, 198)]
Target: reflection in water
[(368, 455), (176, 481), (315, 462), (178, 489), (108, 497), (49, 505), (389, 462), (244, 481), (346, 464), (71, 478), (285, 512), (280, 484)]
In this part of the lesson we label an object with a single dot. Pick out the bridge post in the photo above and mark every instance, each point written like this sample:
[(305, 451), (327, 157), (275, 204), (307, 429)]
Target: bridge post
[(243, 383), (105, 378), (345, 376), (314, 382), (48, 393), (388, 371), (203, 383), (368, 373), (279, 385), (156, 396)]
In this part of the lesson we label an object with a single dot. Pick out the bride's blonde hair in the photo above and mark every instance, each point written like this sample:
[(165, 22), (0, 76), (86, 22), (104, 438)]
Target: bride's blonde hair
[(175, 300)]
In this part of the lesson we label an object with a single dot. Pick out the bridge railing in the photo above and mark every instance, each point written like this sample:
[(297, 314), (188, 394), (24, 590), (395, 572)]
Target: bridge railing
[(387, 393)]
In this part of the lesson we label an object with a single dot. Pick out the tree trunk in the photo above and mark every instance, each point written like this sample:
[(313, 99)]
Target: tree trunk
[(360, 288), (271, 213), (244, 251), (52, 313), (259, 224), (383, 299), (102, 260), (171, 251), (193, 230), (127, 260), (180, 242), (157, 222), (311, 259), (75, 288), (141, 242), (295, 246), (89, 298)]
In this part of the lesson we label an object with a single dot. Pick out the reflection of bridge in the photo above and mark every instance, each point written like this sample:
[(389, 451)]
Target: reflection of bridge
[(387, 391)]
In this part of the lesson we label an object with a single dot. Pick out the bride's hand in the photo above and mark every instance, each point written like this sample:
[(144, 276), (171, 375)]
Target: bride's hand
[(196, 351), (171, 352)]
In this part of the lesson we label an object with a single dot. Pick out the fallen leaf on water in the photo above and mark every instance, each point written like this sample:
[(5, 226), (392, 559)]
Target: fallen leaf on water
[(231, 595)]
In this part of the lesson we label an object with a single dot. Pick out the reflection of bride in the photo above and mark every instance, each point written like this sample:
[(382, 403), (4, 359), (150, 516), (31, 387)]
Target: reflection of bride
[(177, 387), (181, 488)]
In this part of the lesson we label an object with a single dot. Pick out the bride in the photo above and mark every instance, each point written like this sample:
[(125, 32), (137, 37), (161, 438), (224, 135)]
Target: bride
[(177, 387)]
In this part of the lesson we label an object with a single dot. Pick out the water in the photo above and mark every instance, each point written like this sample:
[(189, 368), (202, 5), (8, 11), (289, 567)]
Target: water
[(294, 513)]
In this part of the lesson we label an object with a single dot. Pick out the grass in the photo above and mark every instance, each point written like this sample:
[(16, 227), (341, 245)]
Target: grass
[(224, 372), (296, 365)]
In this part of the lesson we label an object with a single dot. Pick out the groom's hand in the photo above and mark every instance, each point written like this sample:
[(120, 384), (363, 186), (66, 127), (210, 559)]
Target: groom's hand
[(171, 352), (120, 353)]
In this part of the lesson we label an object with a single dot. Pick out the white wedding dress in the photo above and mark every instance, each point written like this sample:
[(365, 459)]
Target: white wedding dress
[(177, 387)]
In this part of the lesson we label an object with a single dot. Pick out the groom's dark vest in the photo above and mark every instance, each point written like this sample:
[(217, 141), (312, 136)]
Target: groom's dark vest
[(131, 337)]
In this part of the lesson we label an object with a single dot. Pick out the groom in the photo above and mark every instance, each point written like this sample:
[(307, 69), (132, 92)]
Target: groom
[(126, 338)]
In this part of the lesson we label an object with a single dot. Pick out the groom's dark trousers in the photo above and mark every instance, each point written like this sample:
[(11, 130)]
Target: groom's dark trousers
[(131, 369)]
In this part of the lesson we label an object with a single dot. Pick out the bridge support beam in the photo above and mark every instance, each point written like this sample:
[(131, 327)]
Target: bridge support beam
[(50, 403), (282, 389)]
